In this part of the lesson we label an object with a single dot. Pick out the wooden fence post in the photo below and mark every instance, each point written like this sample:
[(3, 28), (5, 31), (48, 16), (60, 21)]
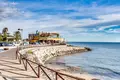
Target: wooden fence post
[(38, 71), (56, 78)]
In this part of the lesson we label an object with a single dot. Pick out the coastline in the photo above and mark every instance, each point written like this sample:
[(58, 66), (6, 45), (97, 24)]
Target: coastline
[(43, 55)]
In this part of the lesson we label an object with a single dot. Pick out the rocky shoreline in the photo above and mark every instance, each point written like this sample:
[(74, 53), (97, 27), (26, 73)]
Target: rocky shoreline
[(44, 54)]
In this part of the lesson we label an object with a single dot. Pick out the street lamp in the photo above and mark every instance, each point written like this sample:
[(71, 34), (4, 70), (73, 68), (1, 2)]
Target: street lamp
[(21, 34)]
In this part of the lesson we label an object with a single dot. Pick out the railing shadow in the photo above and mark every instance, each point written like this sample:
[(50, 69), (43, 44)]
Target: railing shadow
[(14, 70), (9, 61), (11, 67), (21, 75)]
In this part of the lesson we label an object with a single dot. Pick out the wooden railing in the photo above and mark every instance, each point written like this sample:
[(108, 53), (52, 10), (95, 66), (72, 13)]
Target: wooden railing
[(40, 68)]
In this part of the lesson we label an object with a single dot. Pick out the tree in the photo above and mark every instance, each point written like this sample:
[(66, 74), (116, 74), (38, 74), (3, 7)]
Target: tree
[(1, 38), (17, 35), (4, 32)]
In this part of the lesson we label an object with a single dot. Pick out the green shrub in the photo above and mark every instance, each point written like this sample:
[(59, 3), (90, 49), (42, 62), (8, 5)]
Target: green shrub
[(30, 52)]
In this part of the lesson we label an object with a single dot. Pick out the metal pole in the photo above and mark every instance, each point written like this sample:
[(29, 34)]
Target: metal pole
[(21, 30), (22, 37)]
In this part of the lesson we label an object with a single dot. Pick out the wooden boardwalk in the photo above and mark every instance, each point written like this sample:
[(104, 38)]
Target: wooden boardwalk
[(11, 68)]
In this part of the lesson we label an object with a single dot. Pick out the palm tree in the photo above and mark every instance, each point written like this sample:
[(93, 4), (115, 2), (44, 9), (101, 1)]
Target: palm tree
[(17, 35), (4, 32)]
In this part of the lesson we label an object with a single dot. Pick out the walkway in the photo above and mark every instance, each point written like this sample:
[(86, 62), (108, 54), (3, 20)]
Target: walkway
[(11, 68)]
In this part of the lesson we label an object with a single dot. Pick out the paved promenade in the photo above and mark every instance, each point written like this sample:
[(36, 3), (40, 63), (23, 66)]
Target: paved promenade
[(11, 69)]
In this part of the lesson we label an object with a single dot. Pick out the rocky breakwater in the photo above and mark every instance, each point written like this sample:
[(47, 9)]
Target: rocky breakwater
[(43, 54)]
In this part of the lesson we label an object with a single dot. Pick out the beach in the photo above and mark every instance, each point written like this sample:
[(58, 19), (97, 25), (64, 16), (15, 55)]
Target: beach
[(42, 55)]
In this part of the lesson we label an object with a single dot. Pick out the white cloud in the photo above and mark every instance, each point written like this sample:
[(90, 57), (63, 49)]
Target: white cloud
[(106, 16), (7, 10), (110, 17), (104, 27)]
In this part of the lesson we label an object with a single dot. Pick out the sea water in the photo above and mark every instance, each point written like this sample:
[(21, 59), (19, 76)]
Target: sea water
[(103, 61)]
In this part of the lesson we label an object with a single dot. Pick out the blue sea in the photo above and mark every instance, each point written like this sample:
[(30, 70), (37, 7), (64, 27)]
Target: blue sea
[(103, 61)]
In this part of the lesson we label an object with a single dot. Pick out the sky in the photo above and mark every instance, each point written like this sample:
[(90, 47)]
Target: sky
[(75, 20)]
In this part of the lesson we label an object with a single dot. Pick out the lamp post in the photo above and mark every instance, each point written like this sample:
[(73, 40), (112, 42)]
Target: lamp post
[(21, 34)]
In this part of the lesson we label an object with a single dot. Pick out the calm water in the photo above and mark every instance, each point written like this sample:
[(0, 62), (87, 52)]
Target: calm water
[(103, 61)]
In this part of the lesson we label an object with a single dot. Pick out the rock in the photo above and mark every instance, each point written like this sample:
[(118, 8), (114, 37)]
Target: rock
[(43, 54), (69, 45), (88, 49), (6, 48)]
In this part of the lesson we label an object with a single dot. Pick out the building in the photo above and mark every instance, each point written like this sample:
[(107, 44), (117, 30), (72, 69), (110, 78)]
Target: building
[(45, 37)]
